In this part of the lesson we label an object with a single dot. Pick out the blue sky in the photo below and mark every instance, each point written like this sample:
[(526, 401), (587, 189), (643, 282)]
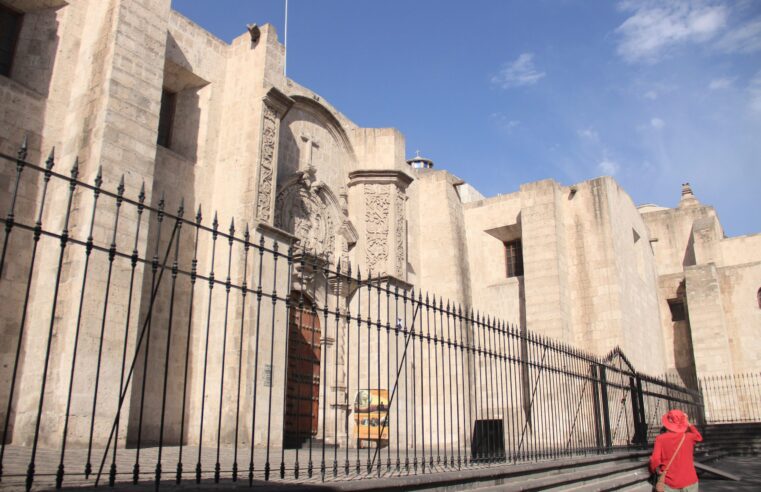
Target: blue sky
[(501, 93)]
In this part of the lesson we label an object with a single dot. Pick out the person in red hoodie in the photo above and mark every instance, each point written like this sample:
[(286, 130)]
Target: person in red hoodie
[(681, 475)]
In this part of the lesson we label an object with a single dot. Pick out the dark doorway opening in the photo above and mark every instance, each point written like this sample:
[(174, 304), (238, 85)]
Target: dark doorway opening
[(488, 440)]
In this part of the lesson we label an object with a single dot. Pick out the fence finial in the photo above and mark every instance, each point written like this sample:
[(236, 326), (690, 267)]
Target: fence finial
[(22, 151), (50, 162)]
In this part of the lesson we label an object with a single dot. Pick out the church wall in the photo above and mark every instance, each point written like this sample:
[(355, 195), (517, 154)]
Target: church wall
[(739, 287), (741, 249), (443, 255), (493, 291), (636, 277), (101, 74), (545, 260)]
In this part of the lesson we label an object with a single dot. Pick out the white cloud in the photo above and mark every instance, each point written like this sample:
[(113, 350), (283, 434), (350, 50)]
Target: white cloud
[(721, 83), (745, 38), (519, 73), (754, 92), (657, 123), (656, 26), (589, 134), (652, 95), (608, 167), (504, 123)]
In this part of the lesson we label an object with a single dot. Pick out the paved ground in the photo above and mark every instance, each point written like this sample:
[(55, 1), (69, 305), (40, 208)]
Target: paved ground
[(748, 468)]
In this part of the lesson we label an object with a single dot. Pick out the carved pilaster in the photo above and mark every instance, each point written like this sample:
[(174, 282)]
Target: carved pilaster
[(276, 105), (384, 222)]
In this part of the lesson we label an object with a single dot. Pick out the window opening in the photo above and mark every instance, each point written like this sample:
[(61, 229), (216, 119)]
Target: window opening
[(10, 26), (166, 118), (678, 312), (514, 258)]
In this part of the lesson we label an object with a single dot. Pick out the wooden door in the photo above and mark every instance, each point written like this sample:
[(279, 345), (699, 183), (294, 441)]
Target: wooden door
[(303, 389)]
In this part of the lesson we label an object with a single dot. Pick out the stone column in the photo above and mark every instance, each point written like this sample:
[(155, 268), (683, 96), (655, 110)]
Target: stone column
[(276, 105), (380, 199)]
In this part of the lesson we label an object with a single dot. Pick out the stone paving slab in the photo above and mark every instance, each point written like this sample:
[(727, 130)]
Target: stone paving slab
[(747, 467)]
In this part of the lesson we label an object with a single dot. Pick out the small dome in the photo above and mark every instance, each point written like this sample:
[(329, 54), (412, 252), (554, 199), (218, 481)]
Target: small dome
[(419, 162)]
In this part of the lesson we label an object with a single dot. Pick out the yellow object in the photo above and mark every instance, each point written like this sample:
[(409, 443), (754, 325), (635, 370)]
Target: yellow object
[(371, 416)]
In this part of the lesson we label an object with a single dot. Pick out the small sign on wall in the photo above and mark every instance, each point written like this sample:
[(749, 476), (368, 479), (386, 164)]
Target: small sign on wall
[(267, 375)]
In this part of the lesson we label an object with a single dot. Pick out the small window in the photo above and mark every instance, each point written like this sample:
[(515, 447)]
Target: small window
[(678, 312), (166, 118), (514, 257), (758, 298), (10, 26)]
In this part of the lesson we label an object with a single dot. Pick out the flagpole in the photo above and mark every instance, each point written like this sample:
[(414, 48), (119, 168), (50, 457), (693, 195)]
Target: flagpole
[(285, 43)]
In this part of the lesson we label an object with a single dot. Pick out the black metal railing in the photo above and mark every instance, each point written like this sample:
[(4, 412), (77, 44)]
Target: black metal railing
[(732, 398), (140, 337)]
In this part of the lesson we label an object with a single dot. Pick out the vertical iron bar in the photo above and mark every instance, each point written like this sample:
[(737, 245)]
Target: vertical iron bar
[(378, 374), (444, 387), (10, 217), (88, 251), (243, 291), (288, 301), (337, 316), (178, 227), (436, 379), (133, 265), (458, 383), (414, 390), (313, 362), (369, 343), (214, 235), (83, 287), (154, 268), (299, 384), (64, 240), (406, 390), (285, 357), (388, 373), (217, 467), (357, 418), (422, 384), (605, 409), (431, 404), (450, 346), (36, 237), (255, 383), (396, 364), (193, 276), (324, 355), (347, 425)]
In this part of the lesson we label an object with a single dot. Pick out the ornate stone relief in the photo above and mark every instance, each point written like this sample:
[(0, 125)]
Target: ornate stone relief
[(400, 233), (302, 208), (377, 208), (266, 164)]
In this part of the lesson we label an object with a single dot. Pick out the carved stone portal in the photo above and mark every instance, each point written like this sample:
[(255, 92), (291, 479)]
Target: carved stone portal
[(304, 209)]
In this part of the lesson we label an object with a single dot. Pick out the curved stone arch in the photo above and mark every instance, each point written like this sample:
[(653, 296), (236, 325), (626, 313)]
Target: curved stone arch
[(323, 114)]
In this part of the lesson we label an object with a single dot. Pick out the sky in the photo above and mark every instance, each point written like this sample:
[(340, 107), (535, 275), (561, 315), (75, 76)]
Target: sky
[(499, 92)]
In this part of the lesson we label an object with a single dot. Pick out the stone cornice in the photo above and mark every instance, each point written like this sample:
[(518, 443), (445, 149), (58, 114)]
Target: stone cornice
[(278, 102), (380, 176)]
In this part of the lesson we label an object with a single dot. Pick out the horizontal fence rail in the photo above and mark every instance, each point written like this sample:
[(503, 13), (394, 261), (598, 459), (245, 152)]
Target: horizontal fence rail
[(145, 343), (732, 398)]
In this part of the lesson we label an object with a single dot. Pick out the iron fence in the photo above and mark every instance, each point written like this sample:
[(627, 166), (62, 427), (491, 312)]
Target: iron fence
[(732, 398), (136, 336)]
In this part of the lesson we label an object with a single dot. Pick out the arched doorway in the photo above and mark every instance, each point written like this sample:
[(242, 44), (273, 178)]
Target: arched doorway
[(303, 387)]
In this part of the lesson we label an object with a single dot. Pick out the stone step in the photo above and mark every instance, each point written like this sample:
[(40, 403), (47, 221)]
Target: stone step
[(585, 477)]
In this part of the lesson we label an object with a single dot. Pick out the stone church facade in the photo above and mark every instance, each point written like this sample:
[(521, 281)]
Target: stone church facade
[(136, 89)]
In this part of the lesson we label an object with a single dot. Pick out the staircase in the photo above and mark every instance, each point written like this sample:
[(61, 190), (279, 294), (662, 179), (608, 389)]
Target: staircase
[(741, 439)]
